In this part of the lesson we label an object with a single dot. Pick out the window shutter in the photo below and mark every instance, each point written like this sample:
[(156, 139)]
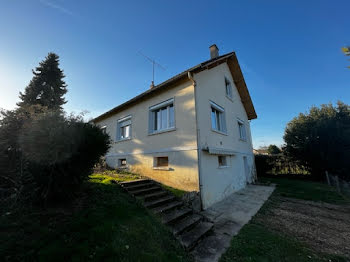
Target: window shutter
[(223, 120), (118, 132), (150, 122)]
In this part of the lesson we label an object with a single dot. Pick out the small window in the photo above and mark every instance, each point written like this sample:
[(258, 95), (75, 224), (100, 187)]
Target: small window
[(104, 129), (241, 129), (161, 161), (222, 161), (162, 116), (124, 128), (228, 88), (122, 162), (218, 118)]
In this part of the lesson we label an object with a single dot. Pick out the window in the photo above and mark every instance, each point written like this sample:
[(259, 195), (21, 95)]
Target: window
[(218, 118), (162, 116), (104, 129), (228, 88), (122, 162), (124, 128), (161, 161), (222, 161), (241, 129)]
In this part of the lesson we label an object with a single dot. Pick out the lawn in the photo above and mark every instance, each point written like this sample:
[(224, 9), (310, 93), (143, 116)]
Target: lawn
[(257, 241), (104, 224)]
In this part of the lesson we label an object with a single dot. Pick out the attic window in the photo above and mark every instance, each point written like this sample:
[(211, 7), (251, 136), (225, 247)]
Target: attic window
[(228, 88)]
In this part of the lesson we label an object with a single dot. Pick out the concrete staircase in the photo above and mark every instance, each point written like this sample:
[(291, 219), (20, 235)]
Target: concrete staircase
[(187, 226)]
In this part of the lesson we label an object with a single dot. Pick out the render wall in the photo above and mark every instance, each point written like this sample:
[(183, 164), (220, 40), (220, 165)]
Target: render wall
[(180, 145), (217, 182)]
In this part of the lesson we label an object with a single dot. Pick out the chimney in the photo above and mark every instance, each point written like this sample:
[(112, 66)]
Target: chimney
[(214, 51)]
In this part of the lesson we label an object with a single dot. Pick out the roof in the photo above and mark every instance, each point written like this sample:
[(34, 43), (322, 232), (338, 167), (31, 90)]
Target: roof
[(234, 67)]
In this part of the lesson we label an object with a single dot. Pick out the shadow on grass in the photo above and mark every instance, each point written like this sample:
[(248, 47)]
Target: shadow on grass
[(107, 225)]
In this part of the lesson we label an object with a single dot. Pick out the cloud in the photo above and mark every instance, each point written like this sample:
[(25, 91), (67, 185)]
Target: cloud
[(57, 7)]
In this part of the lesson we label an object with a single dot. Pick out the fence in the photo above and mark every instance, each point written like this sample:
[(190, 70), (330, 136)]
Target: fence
[(341, 185)]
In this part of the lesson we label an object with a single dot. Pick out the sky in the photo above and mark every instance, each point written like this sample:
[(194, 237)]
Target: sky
[(289, 51)]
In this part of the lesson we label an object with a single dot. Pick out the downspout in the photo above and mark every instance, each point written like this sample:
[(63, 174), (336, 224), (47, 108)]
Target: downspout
[(190, 76)]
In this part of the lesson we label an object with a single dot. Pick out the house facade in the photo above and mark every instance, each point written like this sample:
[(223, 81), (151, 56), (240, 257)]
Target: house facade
[(191, 132)]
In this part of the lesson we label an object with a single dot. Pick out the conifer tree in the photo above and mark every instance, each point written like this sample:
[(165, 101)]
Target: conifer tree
[(47, 87)]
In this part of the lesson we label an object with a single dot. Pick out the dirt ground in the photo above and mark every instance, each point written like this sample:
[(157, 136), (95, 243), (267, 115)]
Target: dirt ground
[(323, 227)]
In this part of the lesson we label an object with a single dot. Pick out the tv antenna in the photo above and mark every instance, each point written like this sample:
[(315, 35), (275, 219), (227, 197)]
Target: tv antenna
[(154, 63)]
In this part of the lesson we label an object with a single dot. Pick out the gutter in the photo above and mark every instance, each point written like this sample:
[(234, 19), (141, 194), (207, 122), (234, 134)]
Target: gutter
[(199, 152)]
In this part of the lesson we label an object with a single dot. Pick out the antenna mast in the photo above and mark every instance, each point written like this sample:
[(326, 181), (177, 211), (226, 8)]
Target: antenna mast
[(153, 65)]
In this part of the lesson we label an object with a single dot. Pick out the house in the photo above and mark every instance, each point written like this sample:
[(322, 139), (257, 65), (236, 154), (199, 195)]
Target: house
[(191, 132)]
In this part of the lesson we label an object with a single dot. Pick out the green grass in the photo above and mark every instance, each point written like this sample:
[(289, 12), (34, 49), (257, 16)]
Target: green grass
[(110, 226), (256, 242), (177, 192), (306, 190)]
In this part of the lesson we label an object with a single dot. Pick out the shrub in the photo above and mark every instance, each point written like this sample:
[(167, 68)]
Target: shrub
[(60, 154)]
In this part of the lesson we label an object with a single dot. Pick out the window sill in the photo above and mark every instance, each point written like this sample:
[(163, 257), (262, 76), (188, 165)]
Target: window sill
[(122, 140), (229, 98), (219, 132), (221, 167), (162, 131), (164, 168)]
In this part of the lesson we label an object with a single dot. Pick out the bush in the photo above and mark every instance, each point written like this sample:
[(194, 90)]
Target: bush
[(60, 154)]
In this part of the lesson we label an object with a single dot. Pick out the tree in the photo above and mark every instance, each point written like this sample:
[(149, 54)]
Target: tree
[(320, 139), (273, 150), (346, 51), (47, 87)]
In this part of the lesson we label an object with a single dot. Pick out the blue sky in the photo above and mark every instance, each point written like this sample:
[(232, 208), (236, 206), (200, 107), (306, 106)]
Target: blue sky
[(289, 51)]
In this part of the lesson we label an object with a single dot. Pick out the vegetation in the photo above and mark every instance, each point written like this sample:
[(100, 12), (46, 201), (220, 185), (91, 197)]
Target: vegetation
[(320, 139), (273, 150), (103, 224), (177, 192), (47, 87), (258, 242), (306, 190)]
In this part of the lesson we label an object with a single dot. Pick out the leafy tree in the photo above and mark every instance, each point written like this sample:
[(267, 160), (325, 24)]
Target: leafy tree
[(273, 150), (47, 87), (320, 139), (346, 51)]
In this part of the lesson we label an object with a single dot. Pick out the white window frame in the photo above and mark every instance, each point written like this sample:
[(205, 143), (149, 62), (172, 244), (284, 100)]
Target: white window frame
[(242, 131), (104, 129), (120, 124), (221, 121), (228, 88), (120, 160), (152, 117)]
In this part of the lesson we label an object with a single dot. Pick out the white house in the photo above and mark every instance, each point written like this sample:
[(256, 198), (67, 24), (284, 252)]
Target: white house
[(191, 132)]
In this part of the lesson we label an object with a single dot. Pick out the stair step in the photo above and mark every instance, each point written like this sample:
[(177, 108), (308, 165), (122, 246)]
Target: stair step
[(134, 182), (154, 195), (175, 215), (159, 201), (190, 238), (144, 191), (139, 186), (185, 224), (167, 207)]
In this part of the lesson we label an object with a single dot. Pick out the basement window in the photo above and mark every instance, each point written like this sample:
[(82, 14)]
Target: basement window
[(122, 162), (222, 161), (161, 161)]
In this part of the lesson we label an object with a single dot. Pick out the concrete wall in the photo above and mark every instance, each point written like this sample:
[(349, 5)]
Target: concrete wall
[(180, 145), (216, 182)]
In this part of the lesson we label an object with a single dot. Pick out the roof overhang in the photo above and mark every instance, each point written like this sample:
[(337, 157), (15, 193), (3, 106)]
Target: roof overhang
[(235, 70)]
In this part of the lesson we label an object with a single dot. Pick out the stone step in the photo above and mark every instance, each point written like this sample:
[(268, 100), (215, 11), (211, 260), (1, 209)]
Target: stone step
[(145, 191), (155, 195), (185, 224), (190, 238), (134, 182), (167, 207), (175, 215), (158, 202), (139, 186)]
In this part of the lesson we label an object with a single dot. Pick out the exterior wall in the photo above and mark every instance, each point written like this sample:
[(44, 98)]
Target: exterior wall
[(180, 145), (218, 182)]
